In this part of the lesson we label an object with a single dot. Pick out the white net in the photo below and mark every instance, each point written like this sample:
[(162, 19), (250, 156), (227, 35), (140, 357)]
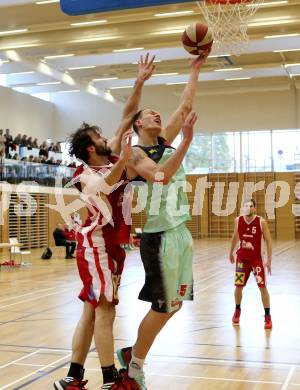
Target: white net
[(228, 22)]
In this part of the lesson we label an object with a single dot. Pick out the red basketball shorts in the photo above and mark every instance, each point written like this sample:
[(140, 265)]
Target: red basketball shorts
[(100, 270), (245, 267)]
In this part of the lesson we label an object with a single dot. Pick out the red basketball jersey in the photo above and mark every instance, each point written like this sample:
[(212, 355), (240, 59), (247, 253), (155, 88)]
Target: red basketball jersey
[(96, 231), (251, 237)]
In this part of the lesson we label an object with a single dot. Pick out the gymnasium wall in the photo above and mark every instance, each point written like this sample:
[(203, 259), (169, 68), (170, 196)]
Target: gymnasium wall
[(73, 108), (25, 114), (235, 109)]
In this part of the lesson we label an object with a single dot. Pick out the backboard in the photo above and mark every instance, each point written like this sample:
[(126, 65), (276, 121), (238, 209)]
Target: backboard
[(81, 7)]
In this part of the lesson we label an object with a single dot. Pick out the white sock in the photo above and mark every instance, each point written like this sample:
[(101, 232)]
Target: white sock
[(135, 366)]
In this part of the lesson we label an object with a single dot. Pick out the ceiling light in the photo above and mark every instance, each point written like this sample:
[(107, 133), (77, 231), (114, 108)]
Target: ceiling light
[(295, 74), (4, 62), (285, 50), (165, 74), (219, 56), (95, 39), (278, 2), (124, 50), (82, 67), (50, 83), (290, 65), (281, 36), (20, 73), (91, 23), (122, 87), (167, 32), (239, 78), (178, 83), (70, 91), (174, 13), (227, 69), (270, 23), (8, 32), (46, 2), (58, 56), (106, 78)]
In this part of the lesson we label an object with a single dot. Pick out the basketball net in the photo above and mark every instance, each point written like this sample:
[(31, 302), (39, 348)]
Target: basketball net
[(228, 22)]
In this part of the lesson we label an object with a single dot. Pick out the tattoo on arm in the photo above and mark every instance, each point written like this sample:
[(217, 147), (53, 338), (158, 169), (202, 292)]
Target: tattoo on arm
[(137, 155)]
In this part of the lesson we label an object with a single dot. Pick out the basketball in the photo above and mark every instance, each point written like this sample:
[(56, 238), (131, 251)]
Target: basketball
[(197, 38)]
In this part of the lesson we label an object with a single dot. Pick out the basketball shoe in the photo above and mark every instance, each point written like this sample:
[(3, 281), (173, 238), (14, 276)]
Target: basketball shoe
[(268, 322), (70, 383), (124, 357), (236, 317), (123, 382)]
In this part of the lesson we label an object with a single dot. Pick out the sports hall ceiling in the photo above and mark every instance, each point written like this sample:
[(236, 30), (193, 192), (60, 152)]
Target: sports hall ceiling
[(268, 60)]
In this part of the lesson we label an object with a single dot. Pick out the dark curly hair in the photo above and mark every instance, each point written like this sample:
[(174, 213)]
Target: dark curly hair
[(81, 140)]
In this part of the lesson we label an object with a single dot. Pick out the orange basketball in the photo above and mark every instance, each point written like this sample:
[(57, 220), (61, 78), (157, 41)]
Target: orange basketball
[(197, 38)]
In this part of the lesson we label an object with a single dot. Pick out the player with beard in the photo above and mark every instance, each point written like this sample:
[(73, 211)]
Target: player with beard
[(250, 230), (100, 258), (166, 243)]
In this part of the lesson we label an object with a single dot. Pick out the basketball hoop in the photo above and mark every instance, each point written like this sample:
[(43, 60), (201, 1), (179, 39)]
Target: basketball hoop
[(228, 21)]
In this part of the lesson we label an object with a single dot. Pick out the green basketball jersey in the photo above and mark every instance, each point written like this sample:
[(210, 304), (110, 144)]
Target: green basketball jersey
[(167, 205)]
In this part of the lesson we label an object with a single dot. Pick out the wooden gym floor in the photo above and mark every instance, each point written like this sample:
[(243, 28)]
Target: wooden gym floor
[(198, 349)]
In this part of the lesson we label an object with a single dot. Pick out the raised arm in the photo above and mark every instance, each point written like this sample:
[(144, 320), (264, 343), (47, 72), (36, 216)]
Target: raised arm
[(146, 69), (141, 165), (186, 103), (268, 239), (93, 182), (234, 240)]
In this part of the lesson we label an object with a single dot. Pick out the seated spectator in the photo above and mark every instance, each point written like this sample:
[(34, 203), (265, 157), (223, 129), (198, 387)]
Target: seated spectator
[(2, 145), (70, 234), (50, 161), (16, 156), (61, 240), (43, 150)]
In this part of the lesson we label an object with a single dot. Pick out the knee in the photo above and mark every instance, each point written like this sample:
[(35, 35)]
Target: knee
[(105, 312)]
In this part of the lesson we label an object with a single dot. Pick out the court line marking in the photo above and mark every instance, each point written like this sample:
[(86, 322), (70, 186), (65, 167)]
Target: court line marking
[(286, 383), (18, 360), (35, 372), (214, 379), (24, 295), (36, 298)]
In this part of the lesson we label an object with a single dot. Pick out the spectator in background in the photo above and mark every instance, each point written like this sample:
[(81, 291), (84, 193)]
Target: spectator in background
[(2, 143), (44, 150), (16, 156), (35, 143), (29, 143), (61, 240), (23, 141), (70, 234), (17, 140)]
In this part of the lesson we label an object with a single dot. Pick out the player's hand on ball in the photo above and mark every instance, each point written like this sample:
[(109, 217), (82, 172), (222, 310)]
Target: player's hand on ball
[(188, 125), (146, 67), (126, 148), (232, 260), (200, 60)]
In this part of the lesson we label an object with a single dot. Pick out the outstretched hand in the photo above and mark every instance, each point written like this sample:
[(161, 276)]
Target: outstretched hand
[(146, 67), (188, 125), (200, 60), (126, 148)]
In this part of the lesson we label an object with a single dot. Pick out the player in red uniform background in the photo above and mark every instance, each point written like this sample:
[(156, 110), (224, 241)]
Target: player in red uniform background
[(250, 230), (101, 180)]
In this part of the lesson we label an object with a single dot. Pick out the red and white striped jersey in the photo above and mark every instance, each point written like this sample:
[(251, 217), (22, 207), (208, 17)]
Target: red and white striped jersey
[(251, 237), (96, 231)]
